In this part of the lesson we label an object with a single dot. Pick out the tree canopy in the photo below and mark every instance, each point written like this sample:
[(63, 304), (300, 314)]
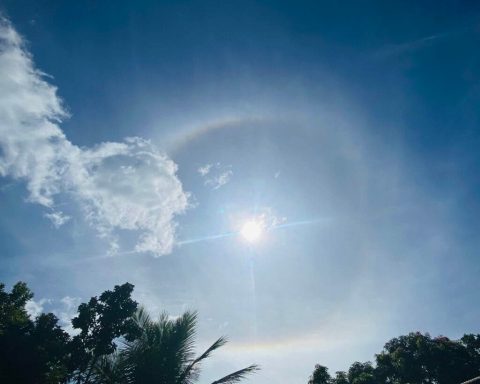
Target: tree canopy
[(164, 353), (415, 358), (116, 343)]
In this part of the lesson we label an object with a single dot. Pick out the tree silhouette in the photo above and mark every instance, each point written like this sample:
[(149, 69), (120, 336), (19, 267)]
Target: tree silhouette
[(415, 358), (100, 322), (320, 375), (163, 353), (30, 351), (39, 351)]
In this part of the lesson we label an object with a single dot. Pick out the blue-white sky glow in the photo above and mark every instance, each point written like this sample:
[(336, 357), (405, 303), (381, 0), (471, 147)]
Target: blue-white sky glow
[(137, 139)]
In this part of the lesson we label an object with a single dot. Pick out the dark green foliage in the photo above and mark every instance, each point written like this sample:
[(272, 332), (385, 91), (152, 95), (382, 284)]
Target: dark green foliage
[(417, 358), (111, 369), (341, 377), (361, 373), (30, 351), (320, 375), (12, 307), (51, 343), (472, 345), (39, 352), (163, 353), (105, 318), (101, 321)]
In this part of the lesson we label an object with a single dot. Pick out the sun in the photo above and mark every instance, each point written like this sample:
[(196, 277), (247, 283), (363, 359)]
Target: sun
[(252, 231)]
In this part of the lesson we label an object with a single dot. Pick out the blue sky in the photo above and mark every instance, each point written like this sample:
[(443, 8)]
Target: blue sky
[(136, 138)]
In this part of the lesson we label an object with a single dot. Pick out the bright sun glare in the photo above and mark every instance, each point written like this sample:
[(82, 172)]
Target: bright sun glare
[(251, 231)]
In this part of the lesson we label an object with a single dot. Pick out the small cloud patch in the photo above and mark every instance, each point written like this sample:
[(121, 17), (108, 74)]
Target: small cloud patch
[(58, 218), (215, 175)]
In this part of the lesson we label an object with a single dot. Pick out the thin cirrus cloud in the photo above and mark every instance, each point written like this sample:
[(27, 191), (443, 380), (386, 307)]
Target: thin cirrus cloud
[(394, 50), (58, 218), (126, 185), (215, 175)]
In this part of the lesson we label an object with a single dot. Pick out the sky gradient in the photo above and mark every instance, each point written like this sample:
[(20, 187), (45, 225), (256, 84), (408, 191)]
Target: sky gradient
[(136, 138)]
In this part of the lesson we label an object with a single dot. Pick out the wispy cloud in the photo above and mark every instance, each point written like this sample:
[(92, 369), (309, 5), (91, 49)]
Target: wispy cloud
[(219, 180), (267, 217), (58, 218), (397, 49), (126, 185), (215, 175), (411, 46), (204, 170)]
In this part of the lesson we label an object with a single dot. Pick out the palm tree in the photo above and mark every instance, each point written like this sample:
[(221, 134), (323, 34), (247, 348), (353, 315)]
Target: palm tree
[(163, 354), (110, 369)]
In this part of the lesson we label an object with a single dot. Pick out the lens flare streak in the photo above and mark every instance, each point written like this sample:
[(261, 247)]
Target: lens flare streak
[(242, 232)]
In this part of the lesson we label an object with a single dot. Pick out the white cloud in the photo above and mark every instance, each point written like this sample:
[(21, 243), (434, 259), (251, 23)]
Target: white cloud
[(35, 308), (127, 185), (58, 218), (268, 218), (219, 180), (66, 312), (215, 175), (204, 170), (265, 216)]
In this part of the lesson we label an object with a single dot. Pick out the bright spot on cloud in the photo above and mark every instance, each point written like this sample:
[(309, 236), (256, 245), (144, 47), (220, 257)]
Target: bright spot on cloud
[(252, 231)]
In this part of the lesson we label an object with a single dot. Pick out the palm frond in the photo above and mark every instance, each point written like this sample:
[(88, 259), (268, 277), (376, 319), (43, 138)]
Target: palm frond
[(164, 353), (110, 370), (237, 376), (183, 336), (191, 367), (142, 318)]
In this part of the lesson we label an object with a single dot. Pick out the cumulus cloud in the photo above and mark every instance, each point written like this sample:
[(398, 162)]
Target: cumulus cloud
[(66, 311), (35, 308), (128, 185), (215, 175)]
